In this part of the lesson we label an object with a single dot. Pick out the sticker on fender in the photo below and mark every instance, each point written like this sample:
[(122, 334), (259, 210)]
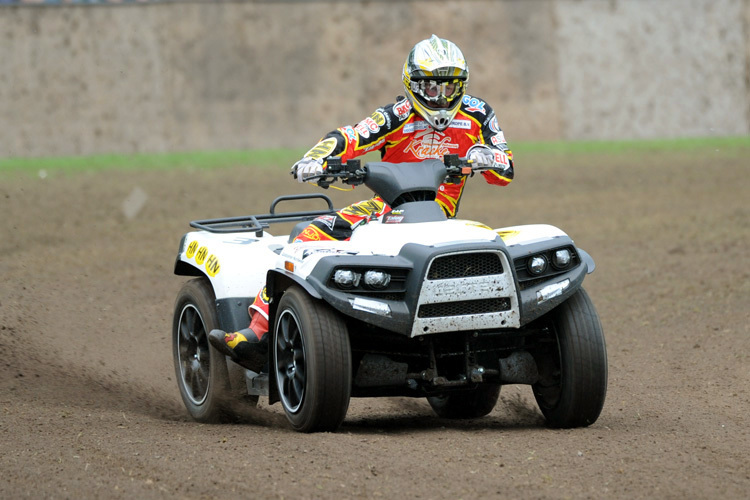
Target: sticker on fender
[(200, 253), (191, 249), (212, 265), (508, 235)]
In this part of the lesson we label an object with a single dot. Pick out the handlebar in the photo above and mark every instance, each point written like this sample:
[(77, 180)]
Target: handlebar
[(353, 173)]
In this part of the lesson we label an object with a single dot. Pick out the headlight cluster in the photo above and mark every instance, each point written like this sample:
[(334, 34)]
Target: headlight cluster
[(374, 279), (560, 259)]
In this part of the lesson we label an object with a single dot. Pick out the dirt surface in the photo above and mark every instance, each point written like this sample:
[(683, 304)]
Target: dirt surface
[(89, 406)]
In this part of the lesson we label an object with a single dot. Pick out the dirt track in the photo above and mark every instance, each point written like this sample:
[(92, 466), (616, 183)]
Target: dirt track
[(89, 406)]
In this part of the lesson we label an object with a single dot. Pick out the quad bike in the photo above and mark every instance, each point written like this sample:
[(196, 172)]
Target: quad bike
[(414, 304)]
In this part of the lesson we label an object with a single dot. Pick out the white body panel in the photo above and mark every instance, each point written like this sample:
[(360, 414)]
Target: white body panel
[(530, 233), (384, 239), (237, 263)]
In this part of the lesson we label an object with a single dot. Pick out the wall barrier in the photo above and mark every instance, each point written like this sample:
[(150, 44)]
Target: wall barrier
[(182, 76)]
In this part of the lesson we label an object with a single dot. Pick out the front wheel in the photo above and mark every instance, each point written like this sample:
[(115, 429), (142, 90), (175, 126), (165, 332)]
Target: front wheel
[(472, 403), (312, 362), (573, 374)]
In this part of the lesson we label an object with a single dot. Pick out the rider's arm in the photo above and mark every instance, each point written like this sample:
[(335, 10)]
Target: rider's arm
[(492, 136), (368, 135)]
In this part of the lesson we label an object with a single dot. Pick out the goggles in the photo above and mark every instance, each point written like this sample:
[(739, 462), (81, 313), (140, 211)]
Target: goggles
[(434, 90)]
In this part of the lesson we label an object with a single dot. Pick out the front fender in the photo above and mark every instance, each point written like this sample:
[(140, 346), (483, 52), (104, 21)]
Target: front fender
[(278, 281), (538, 300), (182, 268), (587, 259)]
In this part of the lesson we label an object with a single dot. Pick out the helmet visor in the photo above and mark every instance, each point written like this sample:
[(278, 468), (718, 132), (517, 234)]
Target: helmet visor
[(437, 94)]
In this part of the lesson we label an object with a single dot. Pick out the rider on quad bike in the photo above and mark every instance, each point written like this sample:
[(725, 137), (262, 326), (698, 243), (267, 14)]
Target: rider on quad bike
[(435, 118)]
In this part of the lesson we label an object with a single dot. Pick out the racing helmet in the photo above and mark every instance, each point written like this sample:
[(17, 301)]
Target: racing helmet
[(435, 77)]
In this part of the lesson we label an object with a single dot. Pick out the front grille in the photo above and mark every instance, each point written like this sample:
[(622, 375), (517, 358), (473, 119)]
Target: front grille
[(464, 307), (465, 265)]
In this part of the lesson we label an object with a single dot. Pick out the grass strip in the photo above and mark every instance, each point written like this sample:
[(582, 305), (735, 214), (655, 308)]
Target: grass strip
[(277, 157), (152, 161)]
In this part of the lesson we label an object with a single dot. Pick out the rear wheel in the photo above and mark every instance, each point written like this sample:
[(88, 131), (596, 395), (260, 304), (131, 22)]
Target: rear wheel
[(473, 403), (312, 362), (203, 377), (573, 375)]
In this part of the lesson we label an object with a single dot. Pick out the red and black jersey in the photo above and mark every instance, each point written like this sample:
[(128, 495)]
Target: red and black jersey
[(402, 135)]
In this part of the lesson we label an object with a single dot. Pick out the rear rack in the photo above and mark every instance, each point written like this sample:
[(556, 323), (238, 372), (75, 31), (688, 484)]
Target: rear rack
[(257, 223)]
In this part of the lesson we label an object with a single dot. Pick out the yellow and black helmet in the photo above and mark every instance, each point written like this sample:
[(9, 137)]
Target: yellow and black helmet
[(435, 77)]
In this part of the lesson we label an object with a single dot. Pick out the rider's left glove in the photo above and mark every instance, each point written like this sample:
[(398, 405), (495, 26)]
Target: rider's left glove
[(307, 167), (485, 158)]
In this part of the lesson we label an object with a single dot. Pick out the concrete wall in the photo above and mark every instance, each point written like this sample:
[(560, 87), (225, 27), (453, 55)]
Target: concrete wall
[(647, 68), (235, 75)]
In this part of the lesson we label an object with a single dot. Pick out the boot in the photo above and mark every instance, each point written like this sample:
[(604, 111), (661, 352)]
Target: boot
[(243, 347)]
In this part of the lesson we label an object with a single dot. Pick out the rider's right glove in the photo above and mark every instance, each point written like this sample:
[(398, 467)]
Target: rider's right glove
[(306, 168)]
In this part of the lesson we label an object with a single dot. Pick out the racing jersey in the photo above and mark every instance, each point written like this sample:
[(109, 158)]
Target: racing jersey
[(402, 135)]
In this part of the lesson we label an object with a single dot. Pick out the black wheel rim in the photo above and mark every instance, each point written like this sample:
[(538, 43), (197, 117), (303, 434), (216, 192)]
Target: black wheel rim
[(291, 370), (194, 357)]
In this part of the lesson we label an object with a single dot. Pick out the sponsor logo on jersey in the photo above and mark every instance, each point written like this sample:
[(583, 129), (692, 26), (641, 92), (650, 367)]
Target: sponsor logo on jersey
[(501, 159), (309, 234), (386, 117), (430, 144), (462, 124), (322, 149), (349, 132), (402, 109), (423, 125), (369, 124), (327, 220), (412, 127), (474, 105), (498, 139), (378, 118), (375, 146), (364, 208), (362, 129), (494, 126)]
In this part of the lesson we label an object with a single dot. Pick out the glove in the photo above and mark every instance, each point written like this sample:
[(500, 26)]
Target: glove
[(482, 157), (485, 158), (306, 168)]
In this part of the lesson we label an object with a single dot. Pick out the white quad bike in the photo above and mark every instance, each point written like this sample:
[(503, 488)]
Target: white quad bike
[(414, 304)]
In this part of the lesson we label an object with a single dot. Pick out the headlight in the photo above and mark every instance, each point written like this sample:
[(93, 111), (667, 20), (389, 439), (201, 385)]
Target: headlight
[(346, 278), (561, 258), (537, 264), (377, 279)]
